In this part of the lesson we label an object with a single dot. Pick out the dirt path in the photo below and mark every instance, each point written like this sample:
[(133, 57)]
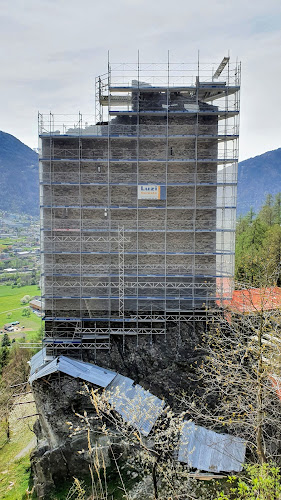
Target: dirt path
[(10, 310), (27, 448)]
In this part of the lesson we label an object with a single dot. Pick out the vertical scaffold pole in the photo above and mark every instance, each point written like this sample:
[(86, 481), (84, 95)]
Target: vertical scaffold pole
[(80, 155), (137, 214), (107, 212), (121, 284), (193, 290), (51, 156), (166, 187)]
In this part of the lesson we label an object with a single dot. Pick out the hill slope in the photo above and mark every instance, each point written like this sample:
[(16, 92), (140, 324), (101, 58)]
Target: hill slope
[(19, 183), (257, 177)]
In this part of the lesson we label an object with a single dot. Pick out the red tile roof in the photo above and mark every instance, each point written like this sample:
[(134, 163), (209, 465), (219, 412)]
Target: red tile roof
[(276, 384), (255, 299)]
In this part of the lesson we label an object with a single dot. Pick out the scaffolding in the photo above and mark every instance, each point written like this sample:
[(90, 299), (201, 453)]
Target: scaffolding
[(138, 204)]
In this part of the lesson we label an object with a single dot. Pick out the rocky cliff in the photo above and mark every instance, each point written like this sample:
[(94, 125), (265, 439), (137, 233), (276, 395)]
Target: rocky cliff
[(161, 365)]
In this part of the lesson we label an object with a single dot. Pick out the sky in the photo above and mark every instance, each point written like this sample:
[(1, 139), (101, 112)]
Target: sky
[(52, 50)]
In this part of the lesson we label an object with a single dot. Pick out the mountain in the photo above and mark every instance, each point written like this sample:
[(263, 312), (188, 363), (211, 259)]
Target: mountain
[(19, 182), (258, 177)]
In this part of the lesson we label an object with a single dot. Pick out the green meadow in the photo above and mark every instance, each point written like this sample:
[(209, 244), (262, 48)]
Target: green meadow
[(10, 305)]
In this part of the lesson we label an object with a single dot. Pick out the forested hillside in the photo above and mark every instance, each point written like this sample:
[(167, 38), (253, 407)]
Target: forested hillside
[(19, 182), (258, 177), (258, 244)]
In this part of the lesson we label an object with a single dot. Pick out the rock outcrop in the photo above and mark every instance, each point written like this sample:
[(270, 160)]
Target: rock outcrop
[(161, 365)]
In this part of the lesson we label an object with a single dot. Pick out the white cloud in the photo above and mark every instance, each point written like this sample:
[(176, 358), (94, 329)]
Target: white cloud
[(53, 49)]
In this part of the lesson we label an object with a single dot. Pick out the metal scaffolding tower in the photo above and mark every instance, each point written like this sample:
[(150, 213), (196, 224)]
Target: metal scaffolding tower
[(138, 205)]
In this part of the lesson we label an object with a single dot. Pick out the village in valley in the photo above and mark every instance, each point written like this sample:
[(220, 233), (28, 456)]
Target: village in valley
[(20, 309)]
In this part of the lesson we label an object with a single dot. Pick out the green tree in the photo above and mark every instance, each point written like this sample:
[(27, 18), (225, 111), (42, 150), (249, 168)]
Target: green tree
[(250, 215), (26, 312), (258, 245), (258, 483), (4, 357), (277, 209), (25, 299), (14, 371), (5, 340), (266, 214), (242, 225), (249, 255), (272, 252)]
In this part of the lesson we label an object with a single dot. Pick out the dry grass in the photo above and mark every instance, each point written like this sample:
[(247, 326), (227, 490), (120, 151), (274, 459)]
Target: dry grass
[(14, 454)]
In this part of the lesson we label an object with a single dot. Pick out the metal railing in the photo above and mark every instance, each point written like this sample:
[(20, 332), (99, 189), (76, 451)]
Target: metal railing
[(83, 125)]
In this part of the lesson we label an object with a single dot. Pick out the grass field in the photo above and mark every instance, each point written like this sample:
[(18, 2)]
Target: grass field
[(5, 243), (14, 455), (11, 241), (10, 303)]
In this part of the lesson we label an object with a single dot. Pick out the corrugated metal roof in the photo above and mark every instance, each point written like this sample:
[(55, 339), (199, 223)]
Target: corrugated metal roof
[(137, 406), (37, 360), (86, 371), (200, 448), (207, 450), (77, 369), (46, 369)]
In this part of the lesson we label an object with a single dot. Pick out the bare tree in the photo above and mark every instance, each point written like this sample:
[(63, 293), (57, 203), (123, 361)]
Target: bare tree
[(239, 374), (153, 457), (13, 381)]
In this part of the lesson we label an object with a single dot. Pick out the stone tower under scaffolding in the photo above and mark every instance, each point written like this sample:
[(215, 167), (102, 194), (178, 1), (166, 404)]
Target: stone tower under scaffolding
[(138, 206)]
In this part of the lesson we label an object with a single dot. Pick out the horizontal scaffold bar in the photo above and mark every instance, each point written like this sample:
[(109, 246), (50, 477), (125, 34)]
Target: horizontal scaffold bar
[(128, 230), (100, 333), (130, 284), (73, 239), (140, 252), (85, 239), (81, 345), (223, 114), (141, 267), (101, 183), (139, 160), (201, 88), (131, 297), (130, 207), (219, 136), (133, 275), (172, 317)]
